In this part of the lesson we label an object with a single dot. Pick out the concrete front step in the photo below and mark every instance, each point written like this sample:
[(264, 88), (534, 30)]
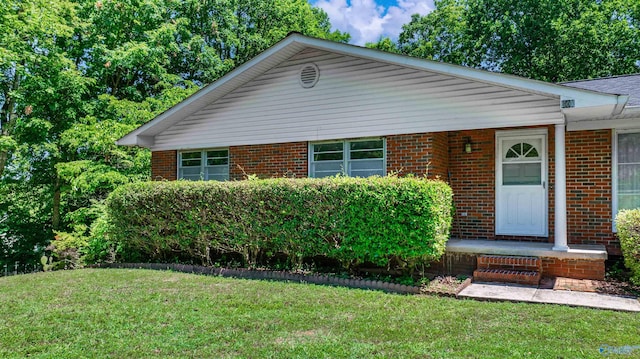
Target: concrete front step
[(506, 276)]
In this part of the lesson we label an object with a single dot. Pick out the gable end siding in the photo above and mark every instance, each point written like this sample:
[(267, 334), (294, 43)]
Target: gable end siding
[(353, 98)]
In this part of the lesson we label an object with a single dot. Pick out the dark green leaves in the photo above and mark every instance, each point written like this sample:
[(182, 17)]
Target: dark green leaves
[(547, 40), (352, 220)]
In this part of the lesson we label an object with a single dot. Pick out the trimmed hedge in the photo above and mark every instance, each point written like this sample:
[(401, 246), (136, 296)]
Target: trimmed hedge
[(628, 225), (380, 220)]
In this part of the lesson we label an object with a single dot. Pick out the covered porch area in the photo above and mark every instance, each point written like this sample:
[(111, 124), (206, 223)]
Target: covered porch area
[(513, 252)]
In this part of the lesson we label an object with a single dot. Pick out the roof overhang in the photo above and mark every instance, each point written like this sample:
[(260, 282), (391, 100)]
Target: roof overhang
[(587, 104), (629, 118)]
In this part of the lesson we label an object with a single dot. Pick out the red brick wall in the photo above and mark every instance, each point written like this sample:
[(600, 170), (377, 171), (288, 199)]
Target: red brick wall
[(589, 191), (573, 268), (467, 263), (440, 156), (164, 165), (473, 181), (272, 160), (419, 154)]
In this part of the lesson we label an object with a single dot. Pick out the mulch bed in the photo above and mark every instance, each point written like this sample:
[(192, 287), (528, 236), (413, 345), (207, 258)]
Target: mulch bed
[(446, 286)]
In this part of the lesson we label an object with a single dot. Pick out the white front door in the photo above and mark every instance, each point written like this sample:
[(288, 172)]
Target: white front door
[(521, 177)]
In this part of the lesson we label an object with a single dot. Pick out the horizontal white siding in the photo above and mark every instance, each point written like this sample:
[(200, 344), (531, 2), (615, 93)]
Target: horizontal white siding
[(353, 98)]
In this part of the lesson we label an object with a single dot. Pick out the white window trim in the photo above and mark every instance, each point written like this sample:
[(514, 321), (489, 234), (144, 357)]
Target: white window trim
[(614, 173), (203, 160), (347, 153)]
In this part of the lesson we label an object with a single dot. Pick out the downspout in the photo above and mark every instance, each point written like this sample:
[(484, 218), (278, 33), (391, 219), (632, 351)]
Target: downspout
[(621, 102)]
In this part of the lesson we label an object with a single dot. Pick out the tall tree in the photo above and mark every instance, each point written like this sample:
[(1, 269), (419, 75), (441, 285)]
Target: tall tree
[(37, 83), (40, 97), (77, 74), (551, 40)]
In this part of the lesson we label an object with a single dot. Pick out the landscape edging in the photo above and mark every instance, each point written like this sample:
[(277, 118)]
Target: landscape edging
[(270, 275)]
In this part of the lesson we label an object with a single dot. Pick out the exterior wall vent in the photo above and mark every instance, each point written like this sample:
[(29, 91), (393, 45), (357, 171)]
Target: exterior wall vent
[(309, 75), (568, 104)]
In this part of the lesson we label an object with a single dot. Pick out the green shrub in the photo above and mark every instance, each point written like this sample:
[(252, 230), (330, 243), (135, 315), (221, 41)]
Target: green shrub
[(353, 220), (65, 251), (628, 225)]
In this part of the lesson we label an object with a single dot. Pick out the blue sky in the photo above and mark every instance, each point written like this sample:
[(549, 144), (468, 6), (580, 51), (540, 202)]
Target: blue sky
[(368, 20)]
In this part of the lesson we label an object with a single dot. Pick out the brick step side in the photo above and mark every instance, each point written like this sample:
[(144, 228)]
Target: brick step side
[(516, 263), (506, 276)]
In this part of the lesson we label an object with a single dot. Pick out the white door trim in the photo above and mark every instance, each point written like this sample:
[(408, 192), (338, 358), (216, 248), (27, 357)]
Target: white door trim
[(522, 134)]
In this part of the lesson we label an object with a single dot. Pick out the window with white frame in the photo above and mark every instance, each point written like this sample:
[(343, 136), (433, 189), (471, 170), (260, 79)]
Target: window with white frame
[(626, 179), (207, 165), (355, 158)]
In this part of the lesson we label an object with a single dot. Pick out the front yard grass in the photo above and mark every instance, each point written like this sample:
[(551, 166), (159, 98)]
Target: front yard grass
[(140, 313)]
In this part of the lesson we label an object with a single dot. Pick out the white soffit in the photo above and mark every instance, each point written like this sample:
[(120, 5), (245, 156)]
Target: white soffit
[(629, 118)]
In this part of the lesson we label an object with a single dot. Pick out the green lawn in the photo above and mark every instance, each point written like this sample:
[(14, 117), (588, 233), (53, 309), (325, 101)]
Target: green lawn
[(139, 313)]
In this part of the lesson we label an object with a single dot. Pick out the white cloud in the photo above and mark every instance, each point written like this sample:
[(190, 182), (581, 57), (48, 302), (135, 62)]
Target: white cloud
[(367, 21)]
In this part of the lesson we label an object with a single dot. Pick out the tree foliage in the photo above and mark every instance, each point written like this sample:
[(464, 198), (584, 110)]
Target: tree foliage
[(550, 40), (75, 75)]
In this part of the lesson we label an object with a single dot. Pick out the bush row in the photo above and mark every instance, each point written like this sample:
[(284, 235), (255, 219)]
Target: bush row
[(377, 220), (628, 225)]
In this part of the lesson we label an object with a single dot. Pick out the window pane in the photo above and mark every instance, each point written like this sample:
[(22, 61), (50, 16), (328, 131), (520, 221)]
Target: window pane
[(366, 164), (191, 159), (217, 173), (514, 149), (325, 169), (628, 170), (357, 155), (514, 174), (191, 155), (629, 148), (628, 178), (366, 158), (217, 157), (327, 147), (366, 168), (191, 163), (628, 201), (217, 161), (217, 170), (329, 166), (192, 173), (331, 156), (218, 154), (365, 145)]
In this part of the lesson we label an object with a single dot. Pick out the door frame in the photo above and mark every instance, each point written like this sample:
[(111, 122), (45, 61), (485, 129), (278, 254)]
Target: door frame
[(522, 134)]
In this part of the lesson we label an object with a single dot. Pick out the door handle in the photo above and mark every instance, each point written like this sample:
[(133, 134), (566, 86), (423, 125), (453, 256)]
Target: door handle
[(544, 184)]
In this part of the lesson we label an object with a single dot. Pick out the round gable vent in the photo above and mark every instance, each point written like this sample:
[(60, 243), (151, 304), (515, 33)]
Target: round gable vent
[(309, 75)]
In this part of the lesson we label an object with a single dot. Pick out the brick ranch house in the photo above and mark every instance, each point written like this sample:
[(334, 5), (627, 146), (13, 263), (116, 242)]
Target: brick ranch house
[(539, 170)]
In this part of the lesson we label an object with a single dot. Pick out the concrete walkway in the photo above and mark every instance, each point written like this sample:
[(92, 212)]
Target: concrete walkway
[(516, 293)]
